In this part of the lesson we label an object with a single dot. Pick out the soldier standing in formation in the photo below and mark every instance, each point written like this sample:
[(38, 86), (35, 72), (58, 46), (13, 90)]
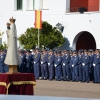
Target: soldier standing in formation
[(60, 65)]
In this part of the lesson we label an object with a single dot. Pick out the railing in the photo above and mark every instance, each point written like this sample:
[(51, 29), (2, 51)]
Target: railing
[(91, 8)]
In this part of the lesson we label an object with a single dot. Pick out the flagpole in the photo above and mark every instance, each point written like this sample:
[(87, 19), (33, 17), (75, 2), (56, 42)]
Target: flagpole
[(38, 39)]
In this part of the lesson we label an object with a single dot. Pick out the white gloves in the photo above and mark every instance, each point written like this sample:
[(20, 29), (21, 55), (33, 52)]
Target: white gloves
[(94, 65), (34, 62), (72, 65), (41, 62), (48, 63), (55, 65), (63, 64), (83, 64)]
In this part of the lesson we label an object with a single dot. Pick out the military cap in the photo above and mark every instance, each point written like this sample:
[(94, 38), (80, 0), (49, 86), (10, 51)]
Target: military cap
[(75, 51), (22, 51), (59, 52), (90, 50), (97, 50), (80, 51), (28, 51), (85, 50), (51, 50), (37, 49)]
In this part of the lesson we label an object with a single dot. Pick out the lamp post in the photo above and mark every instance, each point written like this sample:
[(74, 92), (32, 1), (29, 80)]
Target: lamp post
[(60, 27)]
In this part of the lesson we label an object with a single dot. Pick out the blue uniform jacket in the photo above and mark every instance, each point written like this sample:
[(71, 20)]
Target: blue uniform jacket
[(75, 61), (96, 59), (28, 60), (66, 59), (86, 59), (37, 58), (51, 59), (2, 58), (58, 61), (44, 58)]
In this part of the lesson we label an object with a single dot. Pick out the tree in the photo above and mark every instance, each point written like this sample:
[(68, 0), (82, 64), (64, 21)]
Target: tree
[(4, 45), (50, 37)]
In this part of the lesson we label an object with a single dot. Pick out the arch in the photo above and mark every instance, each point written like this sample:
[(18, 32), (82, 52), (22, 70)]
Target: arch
[(84, 40)]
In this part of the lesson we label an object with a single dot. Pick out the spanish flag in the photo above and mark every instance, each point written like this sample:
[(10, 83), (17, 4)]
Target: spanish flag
[(38, 19)]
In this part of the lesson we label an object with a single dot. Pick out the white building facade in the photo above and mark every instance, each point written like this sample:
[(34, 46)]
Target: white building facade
[(80, 30)]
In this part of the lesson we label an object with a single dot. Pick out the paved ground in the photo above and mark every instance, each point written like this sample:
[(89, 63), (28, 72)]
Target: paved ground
[(67, 89)]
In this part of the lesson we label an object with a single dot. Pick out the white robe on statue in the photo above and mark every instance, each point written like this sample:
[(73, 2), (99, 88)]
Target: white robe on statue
[(12, 56)]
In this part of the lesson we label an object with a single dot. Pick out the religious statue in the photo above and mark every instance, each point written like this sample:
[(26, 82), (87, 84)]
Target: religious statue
[(12, 57)]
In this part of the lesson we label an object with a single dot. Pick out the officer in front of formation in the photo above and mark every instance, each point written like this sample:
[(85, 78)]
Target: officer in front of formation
[(57, 65)]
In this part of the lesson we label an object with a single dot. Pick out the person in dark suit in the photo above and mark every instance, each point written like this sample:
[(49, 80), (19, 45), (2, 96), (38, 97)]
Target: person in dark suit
[(28, 61), (23, 64)]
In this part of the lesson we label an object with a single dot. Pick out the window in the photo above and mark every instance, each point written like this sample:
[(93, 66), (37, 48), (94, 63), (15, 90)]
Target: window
[(19, 4), (30, 4), (44, 4)]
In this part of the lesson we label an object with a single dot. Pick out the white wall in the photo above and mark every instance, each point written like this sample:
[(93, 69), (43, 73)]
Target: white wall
[(73, 22)]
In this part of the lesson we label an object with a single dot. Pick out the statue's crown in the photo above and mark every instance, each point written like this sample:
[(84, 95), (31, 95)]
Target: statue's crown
[(8, 24), (12, 20)]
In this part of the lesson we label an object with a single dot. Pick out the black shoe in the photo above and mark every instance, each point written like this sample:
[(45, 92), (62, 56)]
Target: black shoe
[(87, 82), (45, 79)]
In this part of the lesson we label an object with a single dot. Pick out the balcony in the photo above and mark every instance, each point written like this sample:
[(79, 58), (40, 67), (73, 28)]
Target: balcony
[(86, 9)]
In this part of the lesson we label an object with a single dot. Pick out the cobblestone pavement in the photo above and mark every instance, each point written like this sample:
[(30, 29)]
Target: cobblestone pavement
[(67, 89)]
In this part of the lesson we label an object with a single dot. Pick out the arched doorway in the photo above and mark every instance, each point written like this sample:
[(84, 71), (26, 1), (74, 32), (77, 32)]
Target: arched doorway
[(84, 40)]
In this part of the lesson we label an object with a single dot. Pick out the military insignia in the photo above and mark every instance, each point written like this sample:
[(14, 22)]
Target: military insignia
[(66, 57), (42, 56), (35, 56), (49, 56)]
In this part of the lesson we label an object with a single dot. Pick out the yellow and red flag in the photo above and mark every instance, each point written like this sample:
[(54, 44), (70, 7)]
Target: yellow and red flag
[(38, 19)]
